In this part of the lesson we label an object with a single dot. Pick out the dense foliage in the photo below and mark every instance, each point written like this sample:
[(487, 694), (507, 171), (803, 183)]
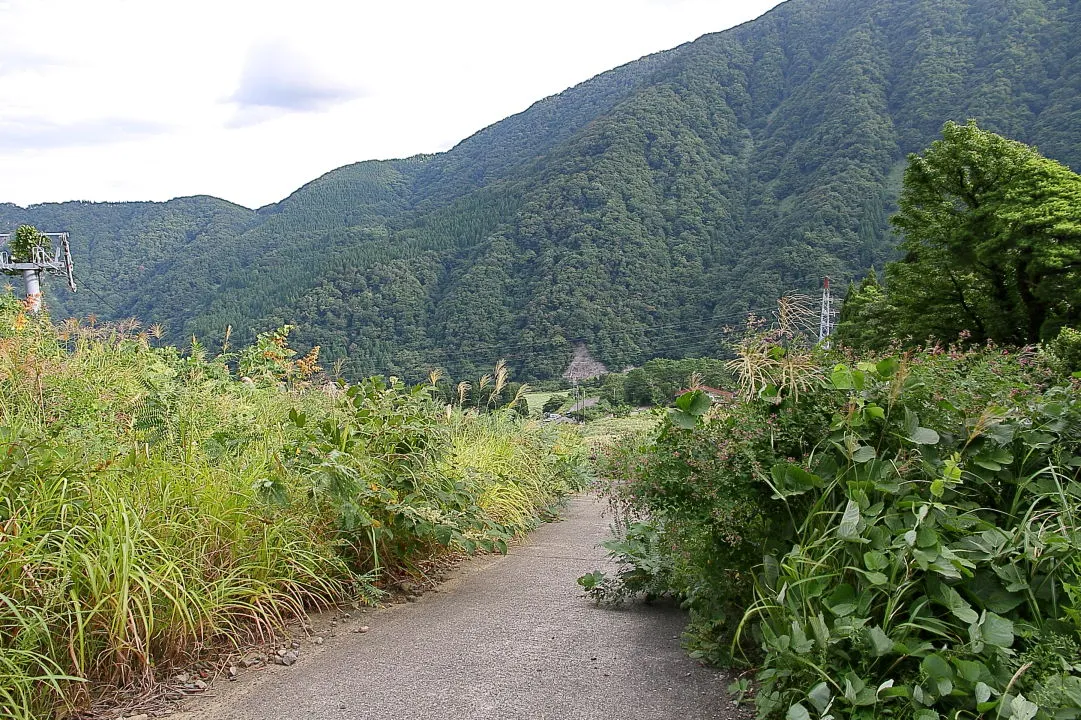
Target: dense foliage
[(992, 243), (887, 537), (23, 242), (639, 212), (154, 505)]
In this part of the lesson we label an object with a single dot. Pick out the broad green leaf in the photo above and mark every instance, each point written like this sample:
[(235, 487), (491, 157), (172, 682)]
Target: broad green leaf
[(800, 644), (820, 629), (958, 605), (849, 527), (1053, 409), (924, 436), (682, 420), (770, 392), (1022, 709), (771, 570), (970, 670), (874, 560), (1071, 689), (841, 377), (842, 601), (820, 696), (996, 630), (874, 412), (912, 422), (694, 403), (864, 453), (982, 692), (935, 668), (927, 537), (887, 368), (1001, 433), (854, 685), (790, 479), (1013, 577), (880, 642), (797, 712), (1001, 455)]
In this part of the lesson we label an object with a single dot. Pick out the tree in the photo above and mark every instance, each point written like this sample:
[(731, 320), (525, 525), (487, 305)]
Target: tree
[(554, 403), (867, 318), (992, 243)]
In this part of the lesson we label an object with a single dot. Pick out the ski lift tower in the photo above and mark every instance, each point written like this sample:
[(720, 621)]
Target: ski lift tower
[(41, 262)]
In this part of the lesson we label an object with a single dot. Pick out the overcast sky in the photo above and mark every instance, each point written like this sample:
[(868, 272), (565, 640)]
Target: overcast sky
[(250, 99)]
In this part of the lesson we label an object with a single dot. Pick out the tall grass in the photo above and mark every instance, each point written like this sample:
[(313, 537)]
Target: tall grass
[(508, 465), (139, 527)]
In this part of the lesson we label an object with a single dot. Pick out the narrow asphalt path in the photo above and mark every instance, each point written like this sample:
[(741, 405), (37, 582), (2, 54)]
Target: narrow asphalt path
[(507, 637)]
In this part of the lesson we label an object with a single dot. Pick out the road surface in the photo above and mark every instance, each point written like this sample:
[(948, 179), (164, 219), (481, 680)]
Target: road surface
[(507, 637)]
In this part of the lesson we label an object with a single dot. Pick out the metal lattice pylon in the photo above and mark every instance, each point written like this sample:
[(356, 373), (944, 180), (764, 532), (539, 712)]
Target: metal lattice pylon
[(827, 314)]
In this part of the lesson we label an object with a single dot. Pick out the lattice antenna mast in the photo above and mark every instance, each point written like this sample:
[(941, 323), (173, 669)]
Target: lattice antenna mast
[(41, 262), (827, 314)]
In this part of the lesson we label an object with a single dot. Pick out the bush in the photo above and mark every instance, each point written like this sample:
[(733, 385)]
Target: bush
[(1066, 347), (928, 561), (554, 403), (917, 516)]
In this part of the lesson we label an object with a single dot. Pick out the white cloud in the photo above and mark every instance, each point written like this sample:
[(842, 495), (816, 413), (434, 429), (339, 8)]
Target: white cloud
[(278, 79)]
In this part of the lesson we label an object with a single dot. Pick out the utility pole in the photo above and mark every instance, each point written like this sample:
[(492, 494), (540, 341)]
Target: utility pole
[(40, 262), (825, 319)]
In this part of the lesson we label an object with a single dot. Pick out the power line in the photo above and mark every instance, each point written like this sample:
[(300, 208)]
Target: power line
[(90, 288)]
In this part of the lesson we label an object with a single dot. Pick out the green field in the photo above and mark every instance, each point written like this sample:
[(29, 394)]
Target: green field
[(536, 401), (604, 432)]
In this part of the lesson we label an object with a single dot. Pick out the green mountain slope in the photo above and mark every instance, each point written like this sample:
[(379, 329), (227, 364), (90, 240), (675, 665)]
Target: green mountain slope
[(638, 213)]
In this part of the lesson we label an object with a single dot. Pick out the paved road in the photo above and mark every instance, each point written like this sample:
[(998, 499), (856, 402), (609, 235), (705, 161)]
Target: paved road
[(505, 638)]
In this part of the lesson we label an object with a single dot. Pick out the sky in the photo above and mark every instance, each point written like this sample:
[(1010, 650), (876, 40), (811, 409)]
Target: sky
[(247, 100)]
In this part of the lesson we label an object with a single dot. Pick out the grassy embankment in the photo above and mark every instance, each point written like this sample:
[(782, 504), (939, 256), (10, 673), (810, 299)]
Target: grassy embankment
[(154, 507)]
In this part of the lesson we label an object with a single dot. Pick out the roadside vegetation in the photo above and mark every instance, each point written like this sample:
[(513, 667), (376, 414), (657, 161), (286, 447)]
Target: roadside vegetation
[(158, 505), (889, 528)]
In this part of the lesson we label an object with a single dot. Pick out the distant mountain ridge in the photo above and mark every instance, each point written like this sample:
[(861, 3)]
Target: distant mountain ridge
[(638, 213)]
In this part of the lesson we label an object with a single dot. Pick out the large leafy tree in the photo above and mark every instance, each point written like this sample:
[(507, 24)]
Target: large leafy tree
[(992, 244)]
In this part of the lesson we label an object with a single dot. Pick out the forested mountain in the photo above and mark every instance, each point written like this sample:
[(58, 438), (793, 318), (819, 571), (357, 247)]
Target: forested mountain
[(637, 213)]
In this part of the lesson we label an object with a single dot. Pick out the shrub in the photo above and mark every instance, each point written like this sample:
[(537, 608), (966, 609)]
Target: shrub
[(917, 516), (928, 562), (554, 403), (1066, 347)]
